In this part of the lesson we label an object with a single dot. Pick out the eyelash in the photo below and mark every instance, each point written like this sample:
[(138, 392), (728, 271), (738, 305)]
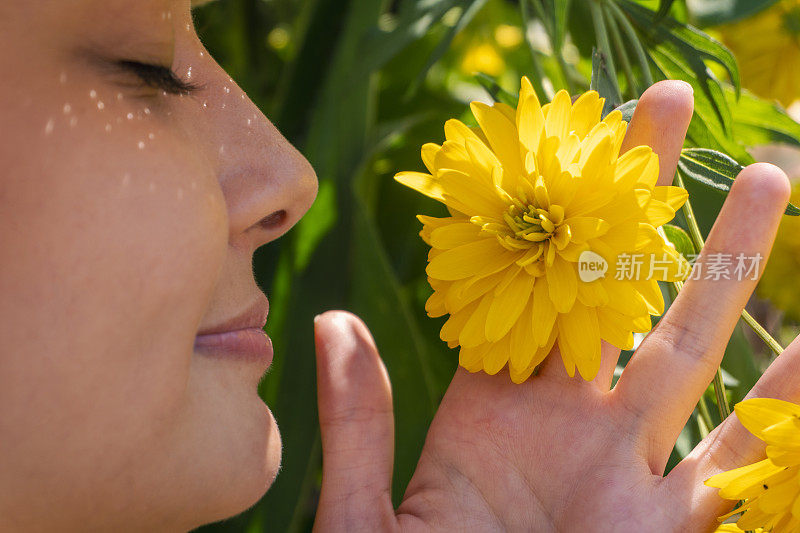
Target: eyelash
[(159, 77)]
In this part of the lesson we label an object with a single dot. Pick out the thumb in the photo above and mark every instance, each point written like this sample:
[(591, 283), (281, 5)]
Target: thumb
[(357, 427)]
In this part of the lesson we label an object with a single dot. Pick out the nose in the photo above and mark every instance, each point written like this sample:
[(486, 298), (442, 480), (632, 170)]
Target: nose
[(268, 185)]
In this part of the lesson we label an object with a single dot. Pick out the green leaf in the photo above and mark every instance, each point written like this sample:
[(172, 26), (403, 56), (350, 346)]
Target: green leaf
[(627, 109), (757, 121), (414, 21), (715, 171), (691, 40), (560, 12), (715, 12), (603, 83), (663, 9), (497, 93), (472, 7), (680, 239), (710, 103)]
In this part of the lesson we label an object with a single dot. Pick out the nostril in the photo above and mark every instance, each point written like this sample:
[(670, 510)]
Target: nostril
[(273, 220)]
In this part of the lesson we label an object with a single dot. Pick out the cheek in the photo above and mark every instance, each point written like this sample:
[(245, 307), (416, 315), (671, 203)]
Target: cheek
[(115, 258)]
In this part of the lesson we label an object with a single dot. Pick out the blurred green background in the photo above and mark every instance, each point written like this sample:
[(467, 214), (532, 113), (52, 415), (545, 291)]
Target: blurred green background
[(358, 86)]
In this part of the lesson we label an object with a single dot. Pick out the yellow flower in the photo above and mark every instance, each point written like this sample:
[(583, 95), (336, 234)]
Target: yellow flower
[(529, 191), (768, 50), (733, 528), (483, 58), (783, 265), (770, 488), (508, 36)]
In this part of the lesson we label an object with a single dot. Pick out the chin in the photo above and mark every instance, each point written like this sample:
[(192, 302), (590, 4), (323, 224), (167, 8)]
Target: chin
[(250, 462), (257, 470)]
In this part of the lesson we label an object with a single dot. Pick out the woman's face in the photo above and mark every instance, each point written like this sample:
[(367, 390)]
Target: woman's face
[(128, 220)]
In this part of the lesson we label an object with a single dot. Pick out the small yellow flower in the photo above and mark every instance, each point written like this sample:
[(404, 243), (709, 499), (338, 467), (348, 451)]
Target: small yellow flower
[(484, 58), (508, 36), (783, 265), (529, 191), (770, 488), (767, 47)]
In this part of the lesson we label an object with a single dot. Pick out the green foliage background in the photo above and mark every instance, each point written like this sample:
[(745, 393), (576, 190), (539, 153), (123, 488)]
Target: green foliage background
[(358, 86)]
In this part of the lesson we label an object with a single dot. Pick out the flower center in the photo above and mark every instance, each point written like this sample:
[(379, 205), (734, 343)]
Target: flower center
[(531, 229)]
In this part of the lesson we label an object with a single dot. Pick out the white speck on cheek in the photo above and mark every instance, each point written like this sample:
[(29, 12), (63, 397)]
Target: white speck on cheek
[(188, 27), (151, 136), (130, 116), (67, 109), (141, 145), (205, 104), (221, 149), (119, 96), (202, 54), (189, 73), (48, 129), (227, 89), (73, 122), (249, 121), (108, 127), (146, 110), (169, 15), (92, 94), (101, 106)]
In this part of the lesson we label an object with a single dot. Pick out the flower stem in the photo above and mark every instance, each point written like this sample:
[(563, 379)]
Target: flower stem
[(761, 332), (705, 423)]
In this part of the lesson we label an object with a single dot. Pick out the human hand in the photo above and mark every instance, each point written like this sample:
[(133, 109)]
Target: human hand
[(560, 453)]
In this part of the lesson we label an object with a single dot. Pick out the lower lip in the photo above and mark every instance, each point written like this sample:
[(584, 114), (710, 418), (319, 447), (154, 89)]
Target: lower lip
[(250, 344)]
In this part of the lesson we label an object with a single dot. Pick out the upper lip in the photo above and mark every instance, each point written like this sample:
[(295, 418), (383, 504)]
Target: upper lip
[(253, 317)]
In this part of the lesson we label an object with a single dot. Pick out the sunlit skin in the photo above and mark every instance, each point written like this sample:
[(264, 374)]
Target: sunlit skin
[(127, 228)]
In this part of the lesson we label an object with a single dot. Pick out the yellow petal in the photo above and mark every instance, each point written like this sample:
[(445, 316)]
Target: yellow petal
[(658, 213), (757, 414), (496, 357), (475, 197), (585, 113), (562, 282), (454, 156), (632, 164), (421, 182), (579, 337), (472, 334), (428, 153), (507, 306), (453, 235), (472, 358), (584, 228), (543, 312), (503, 138), (557, 119), (468, 260), (674, 197)]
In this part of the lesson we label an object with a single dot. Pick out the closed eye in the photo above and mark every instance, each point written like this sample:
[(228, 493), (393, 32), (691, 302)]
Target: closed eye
[(158, 77)]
